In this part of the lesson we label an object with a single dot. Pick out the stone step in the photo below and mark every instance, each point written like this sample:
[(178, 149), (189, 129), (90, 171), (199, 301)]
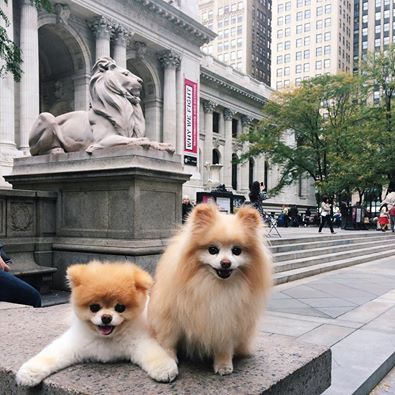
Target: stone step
[(303, 244), (323, 250), (324, 258), (311, 237), (302, 272)]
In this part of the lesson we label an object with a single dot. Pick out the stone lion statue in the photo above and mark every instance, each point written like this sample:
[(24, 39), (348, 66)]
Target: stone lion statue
[(114, 118)]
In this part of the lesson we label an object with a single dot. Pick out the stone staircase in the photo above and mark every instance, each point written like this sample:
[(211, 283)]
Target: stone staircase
[(296, 258)]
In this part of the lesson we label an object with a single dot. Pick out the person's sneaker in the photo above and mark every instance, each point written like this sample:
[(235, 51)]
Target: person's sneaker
[(333, 233)]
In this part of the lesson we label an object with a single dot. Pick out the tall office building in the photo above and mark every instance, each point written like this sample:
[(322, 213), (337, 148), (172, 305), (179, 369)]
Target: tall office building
[(244, 34), (373, 27), (310, 38)]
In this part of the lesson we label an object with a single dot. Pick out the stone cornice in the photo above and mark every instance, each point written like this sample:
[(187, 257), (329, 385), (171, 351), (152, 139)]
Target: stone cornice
[(212, 78), (176, 17)]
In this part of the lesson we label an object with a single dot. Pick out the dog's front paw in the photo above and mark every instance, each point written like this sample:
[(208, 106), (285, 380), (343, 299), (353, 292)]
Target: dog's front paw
[(222, 369), (163, 370), (30, 375)]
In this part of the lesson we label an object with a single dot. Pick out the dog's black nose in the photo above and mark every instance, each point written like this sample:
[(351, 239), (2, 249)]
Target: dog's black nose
[(226, 263), (106, 319)]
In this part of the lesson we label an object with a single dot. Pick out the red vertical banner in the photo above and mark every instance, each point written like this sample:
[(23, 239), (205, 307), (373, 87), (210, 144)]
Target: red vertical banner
[(190, 123)]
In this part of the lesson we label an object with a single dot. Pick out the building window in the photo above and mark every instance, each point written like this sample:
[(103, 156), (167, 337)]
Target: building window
[(280, 59), (299, 29), (306, 40), (299, 16), (279, 84), (327, 22), (234, 171), (328, 9), (327, 63), (287, 32), (216, 122), (327, 36), (298, 81), (280, 46), (280, 33), (299, 3), (298, 55), (288, 6), (280, 21), (287, 45), (306, 54), (286, 70), (306, 67), (319, 11), (307, 14), (318, 65), (307, 27), (318, 51), (327, 49), (318, 38), (235, 125), (287, 19), (298, 42), (298, 68), (287, 58)]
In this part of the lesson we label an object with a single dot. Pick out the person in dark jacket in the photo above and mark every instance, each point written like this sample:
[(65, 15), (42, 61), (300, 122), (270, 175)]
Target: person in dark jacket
[(257, 197), (12, 288), (186, 207)]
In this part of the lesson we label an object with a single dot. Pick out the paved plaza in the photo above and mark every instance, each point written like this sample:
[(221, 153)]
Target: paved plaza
[(351, 310)]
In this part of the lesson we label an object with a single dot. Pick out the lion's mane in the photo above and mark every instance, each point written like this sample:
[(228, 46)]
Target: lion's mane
[(110, 100)]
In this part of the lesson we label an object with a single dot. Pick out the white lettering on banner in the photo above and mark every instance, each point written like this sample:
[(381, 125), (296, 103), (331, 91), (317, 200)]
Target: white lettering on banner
[(188, 118)]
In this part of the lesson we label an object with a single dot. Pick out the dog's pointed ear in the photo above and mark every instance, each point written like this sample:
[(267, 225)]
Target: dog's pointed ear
[(250, 217), (74, 275), (142, 280), (203, 215)]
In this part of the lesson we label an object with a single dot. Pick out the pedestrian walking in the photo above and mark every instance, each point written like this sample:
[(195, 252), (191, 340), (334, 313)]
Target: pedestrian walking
[(392, 218), (325, 215), (384, 218)]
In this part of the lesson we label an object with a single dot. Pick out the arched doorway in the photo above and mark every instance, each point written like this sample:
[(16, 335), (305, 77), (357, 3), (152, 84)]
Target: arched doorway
[(63, 71)]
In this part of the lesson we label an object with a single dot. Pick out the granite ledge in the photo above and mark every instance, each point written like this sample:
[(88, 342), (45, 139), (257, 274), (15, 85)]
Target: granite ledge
[(279, 366)]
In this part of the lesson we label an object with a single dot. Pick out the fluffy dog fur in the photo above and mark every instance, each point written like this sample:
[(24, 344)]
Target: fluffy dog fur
[(211, 285), (109, 324)]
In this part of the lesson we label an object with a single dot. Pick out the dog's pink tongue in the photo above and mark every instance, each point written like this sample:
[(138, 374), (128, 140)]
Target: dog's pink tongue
[(106, 329)]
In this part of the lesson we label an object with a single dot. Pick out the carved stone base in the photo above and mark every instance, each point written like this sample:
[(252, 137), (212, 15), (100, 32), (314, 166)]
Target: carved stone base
[(116, 203)]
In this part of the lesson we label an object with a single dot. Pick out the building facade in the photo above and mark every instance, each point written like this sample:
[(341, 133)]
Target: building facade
[(310, 38), (159, 42), (373, 28), (244, 34)]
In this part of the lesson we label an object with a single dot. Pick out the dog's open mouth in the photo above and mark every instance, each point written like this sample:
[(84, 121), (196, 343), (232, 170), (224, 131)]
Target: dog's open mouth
[(223, 273), (105, 330)]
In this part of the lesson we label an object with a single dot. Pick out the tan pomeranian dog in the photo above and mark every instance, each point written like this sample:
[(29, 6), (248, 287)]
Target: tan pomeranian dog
[(210, 286), (109, 324)]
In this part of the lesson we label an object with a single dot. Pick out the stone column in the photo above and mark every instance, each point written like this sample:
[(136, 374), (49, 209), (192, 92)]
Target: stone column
[(81, 92), (7, 117), (245, 167), (170, 62), (208, 108), (101, 27), (121, 37), (29, 85), (7, 124), (227, 169)]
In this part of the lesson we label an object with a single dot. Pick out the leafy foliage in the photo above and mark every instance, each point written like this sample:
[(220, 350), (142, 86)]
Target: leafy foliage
[(311, 130)]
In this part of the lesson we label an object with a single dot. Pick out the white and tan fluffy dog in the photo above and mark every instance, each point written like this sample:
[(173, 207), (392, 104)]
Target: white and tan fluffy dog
[(109, 324), (210, 286)]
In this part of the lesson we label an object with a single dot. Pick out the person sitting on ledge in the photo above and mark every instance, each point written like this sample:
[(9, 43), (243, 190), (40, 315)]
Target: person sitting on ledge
[(13, 289)]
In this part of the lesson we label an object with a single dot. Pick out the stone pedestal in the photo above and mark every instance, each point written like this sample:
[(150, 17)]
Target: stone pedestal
[(120, 203)]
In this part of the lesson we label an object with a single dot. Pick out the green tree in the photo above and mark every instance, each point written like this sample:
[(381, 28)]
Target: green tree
[(11, 57), (379, 72), (313, 130)]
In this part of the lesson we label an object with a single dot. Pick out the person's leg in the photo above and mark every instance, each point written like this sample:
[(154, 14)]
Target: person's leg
[(329, 220), (392, 223), (14, 290), (322, 220)]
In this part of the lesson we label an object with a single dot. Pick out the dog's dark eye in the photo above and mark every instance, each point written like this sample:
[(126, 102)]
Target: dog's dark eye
[(213, 250), (236, 250), (120, 308), (94, 308)]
